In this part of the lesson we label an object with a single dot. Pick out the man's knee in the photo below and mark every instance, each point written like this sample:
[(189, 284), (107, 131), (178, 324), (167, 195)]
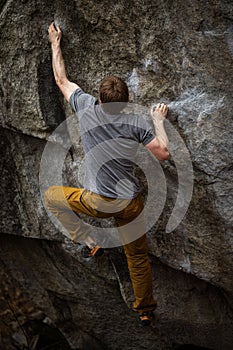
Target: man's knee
[(50, 196)]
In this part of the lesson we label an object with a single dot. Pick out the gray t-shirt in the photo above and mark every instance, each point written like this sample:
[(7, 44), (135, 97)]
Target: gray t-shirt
[(110, 143)]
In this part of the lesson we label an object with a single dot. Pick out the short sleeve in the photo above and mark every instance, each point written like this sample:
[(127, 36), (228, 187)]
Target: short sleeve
[(146, 133), (79, 100)]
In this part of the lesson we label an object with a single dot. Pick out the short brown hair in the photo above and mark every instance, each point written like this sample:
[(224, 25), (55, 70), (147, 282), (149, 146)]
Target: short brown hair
[(113, 89)]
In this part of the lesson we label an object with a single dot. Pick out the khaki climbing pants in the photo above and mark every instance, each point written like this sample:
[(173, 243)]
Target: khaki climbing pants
[(63, 202)]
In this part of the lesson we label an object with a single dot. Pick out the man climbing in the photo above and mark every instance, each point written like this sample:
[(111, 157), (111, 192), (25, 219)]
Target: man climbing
[(107, 193)]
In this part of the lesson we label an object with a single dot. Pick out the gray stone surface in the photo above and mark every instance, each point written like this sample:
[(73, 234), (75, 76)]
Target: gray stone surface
[(47, 283), (173, 51)]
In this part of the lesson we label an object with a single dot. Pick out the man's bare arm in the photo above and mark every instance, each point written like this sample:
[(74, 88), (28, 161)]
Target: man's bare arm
[(66, 86), (159, 146)]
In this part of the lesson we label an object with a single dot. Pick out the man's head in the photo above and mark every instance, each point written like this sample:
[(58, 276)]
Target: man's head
[(113, 89)]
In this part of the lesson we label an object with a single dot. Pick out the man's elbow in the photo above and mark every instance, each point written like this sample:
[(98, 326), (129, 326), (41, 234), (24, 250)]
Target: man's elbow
[(159, 151), (61, 81), (164, 155)]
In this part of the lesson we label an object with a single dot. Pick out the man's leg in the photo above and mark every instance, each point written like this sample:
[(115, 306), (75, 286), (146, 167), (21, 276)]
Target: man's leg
[(140, 274), (66, 204), (137, 255)]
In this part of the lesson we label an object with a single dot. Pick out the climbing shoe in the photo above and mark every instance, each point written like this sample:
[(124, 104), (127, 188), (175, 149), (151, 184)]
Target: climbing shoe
[(87, 252), (146, 318)]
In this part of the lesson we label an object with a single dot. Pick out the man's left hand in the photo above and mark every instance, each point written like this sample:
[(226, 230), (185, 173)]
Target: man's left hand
[(55, 34)]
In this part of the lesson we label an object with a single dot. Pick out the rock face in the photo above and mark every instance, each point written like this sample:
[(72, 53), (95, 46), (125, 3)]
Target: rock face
[(173, 51)]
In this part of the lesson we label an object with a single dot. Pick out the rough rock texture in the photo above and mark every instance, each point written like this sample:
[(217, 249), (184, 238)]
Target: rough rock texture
[(178, 51)]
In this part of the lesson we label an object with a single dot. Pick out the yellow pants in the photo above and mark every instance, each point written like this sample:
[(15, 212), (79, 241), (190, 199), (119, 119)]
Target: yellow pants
[(63, 202)]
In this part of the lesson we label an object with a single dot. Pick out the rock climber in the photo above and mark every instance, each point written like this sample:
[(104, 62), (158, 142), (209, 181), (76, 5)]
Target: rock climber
[(103, 121)]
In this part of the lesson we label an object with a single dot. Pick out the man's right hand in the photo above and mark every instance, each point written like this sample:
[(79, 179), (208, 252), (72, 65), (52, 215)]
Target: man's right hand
[(55, 34), (159, 112), (159, 146)]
